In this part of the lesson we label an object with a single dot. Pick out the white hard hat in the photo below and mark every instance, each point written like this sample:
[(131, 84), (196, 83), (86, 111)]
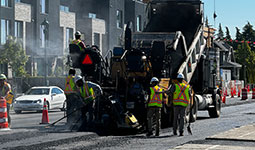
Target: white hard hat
[(77, 33), (77, 78), (180, 76), (154, 79)]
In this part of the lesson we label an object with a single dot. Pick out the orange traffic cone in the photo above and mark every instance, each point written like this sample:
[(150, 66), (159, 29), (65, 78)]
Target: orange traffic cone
[(224, 99), (3, 115), (45, 117), (232, 92)]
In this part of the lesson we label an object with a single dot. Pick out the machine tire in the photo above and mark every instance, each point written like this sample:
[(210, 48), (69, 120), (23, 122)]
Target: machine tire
[(17, 111), (193, 112), (215, 111)]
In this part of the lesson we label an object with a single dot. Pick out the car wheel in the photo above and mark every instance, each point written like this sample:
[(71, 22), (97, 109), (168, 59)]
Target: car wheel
[(39, 111), (17, 111), (64, 106)]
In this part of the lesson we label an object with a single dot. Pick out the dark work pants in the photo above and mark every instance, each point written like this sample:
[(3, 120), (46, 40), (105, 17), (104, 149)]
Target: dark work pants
[(89, 108), (8, 114), (150, 113), (72, 104), (179, 116)]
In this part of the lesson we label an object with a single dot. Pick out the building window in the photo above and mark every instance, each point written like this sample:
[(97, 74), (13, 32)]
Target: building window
[(64, 8), (44, 6), (92, 15), (119, 19), (97, 39), (18, 29), (69, 36), (17, 1), (42, 36), (138, 23), (6, 3), (5, 30)]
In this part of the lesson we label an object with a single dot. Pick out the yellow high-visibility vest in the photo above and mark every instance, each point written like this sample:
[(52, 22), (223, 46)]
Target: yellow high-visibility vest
[(155, 99), (70, 85), (87, 93), (77, 42), (181, 94)]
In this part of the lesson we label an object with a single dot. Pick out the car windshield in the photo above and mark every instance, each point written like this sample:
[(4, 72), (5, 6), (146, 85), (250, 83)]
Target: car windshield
[(43, 91)]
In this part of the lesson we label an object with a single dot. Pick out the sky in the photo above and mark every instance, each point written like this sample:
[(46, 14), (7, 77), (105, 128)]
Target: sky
[(230, 13)]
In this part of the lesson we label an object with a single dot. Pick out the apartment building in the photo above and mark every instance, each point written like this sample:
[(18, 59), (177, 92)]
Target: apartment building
[(47, 26)]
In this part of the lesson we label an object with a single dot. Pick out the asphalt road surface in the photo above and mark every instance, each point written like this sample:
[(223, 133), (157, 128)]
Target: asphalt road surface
[(27, 133)]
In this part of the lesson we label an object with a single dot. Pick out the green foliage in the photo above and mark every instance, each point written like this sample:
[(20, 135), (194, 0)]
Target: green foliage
[(246, 57), (228, 36), (14, 55), (248, 32), (220, 33), (239, 36)]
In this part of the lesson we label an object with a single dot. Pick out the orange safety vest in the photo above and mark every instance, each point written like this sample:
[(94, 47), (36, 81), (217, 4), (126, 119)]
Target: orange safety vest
[(69, 85)]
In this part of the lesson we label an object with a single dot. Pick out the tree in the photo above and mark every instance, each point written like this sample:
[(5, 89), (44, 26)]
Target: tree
[(228, 36), (248, 32), (246, 57), (14, 55), (238, 34), (220, 33)]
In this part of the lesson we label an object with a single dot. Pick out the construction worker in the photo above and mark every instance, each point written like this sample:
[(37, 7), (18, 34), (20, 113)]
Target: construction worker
[(181, 98), (78, 41), (7, 94), (154, 106), (87, 95), (70, 91)]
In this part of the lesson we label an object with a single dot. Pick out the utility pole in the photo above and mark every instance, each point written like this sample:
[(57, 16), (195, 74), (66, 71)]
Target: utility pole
[(45, 24)]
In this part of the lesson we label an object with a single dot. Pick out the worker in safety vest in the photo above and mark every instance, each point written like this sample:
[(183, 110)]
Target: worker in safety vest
[(181, 99), (7, 94), (154, 106), (78, 41), (70, 91), (87, 95)]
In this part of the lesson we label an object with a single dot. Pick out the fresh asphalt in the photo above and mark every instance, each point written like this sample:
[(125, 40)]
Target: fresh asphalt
[(26, 132)]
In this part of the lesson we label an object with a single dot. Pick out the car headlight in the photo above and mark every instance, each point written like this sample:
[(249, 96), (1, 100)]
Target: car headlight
[(38, 101)]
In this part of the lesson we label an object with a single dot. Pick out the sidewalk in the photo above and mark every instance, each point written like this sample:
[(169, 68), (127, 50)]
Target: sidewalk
[(237, 100), (245, 134)]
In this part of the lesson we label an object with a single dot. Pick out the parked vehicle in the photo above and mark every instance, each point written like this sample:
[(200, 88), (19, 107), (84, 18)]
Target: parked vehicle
[(33, 99)]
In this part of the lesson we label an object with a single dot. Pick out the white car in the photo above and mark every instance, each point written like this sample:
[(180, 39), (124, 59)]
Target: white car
[(33, 99)]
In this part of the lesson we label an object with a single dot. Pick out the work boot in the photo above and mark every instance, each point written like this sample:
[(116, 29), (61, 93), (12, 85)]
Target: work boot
[(157, 134), (149, 134), (181, 133)]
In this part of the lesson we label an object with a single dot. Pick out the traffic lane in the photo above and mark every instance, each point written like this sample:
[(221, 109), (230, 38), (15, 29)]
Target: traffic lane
[(231, 117), (33, 119)]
